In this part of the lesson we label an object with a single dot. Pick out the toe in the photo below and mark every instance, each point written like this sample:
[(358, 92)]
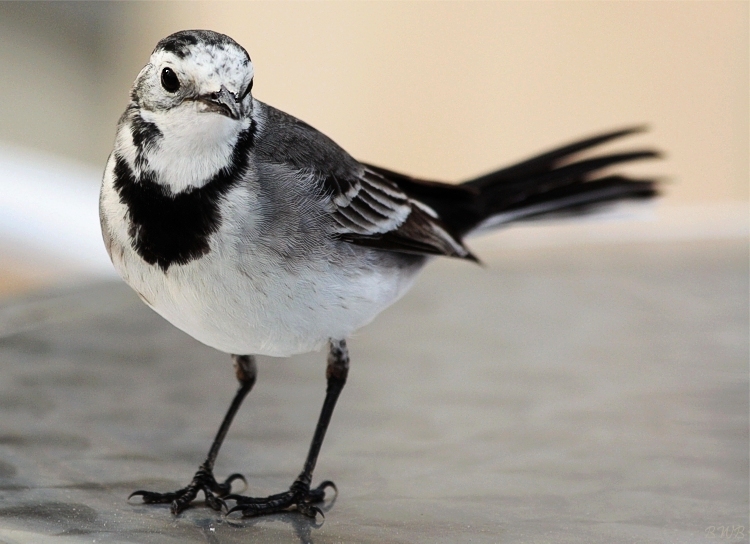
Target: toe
[(150, 497), (214, 502), (225, 488)]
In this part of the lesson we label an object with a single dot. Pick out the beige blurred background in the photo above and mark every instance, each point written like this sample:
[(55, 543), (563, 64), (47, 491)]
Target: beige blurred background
[(436, 89)]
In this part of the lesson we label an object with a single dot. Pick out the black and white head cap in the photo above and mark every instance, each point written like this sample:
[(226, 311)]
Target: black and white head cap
[(200, 67)]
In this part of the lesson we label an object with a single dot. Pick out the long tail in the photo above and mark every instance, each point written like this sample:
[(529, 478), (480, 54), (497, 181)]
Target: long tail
[(551, 183)]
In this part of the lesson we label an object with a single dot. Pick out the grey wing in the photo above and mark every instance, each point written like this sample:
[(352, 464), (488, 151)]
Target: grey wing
[(364, 207), (371, 210)]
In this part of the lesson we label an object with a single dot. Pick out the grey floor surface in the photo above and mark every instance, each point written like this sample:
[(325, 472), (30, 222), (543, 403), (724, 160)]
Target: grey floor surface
[(586, 394)]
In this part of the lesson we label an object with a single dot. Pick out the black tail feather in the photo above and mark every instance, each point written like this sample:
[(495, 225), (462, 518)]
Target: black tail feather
[(579, 199), (549, 160), (549, 183), (576, 178)]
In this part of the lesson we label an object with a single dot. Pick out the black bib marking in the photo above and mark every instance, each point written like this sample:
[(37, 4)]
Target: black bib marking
[(169, 229), (146, 137)]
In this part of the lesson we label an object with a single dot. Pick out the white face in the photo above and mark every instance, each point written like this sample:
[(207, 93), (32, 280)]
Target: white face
[(168, 81), (171, 80), (196, 91)]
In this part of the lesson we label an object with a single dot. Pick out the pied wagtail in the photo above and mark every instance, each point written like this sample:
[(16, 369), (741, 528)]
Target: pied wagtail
[(258, 235)]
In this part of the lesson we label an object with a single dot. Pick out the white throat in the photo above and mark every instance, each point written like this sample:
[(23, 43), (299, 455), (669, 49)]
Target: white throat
[(193, 147)]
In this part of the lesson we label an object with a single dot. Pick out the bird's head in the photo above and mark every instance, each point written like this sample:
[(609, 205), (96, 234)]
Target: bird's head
[(196, 71), (189, 107)]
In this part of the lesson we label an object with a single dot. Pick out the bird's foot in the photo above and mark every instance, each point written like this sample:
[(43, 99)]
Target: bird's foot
[(299, 495), (204, 481)]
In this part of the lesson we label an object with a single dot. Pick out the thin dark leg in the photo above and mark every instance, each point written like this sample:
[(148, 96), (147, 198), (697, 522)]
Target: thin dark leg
[(300, 494), (204, 480), (246, 372)]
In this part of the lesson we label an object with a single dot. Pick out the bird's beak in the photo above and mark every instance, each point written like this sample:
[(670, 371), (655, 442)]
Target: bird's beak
[(223, 102)]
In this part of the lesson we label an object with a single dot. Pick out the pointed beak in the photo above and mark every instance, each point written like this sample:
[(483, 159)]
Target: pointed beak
[(223, 102)]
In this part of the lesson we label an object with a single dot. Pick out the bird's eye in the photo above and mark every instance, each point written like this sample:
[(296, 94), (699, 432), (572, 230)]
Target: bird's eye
[(169, 80)]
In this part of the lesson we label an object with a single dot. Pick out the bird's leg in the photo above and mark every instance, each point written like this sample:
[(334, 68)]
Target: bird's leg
[(299, 494), (204, 480)]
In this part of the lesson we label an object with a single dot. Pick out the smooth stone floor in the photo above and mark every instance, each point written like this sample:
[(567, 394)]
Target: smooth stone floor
[(585, 394)]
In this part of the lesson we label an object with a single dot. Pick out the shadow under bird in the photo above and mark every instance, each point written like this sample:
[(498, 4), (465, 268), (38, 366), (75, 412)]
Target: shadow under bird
[(258, 235)]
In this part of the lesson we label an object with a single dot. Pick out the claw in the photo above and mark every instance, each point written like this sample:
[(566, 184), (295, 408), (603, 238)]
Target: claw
[(326, 484), (319, 493), (151, 497), (203, 481), (312, 511), (232, 477), (214, 502), (299, 495), (235, 508), (140, 492)]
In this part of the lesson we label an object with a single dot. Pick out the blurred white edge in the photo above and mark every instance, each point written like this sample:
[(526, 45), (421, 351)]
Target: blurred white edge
[(49, 220)]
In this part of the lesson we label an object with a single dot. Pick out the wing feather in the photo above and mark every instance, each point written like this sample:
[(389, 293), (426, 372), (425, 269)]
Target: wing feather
[(366, 207), (373, 211)]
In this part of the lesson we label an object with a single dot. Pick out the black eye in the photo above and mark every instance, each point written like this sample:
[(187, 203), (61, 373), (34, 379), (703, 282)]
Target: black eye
[(169, 80)]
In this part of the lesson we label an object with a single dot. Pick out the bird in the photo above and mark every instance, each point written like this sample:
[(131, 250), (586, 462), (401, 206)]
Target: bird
[(256, 234)]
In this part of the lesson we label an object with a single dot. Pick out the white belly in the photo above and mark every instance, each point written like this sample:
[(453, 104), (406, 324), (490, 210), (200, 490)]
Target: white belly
[(268, 311)]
